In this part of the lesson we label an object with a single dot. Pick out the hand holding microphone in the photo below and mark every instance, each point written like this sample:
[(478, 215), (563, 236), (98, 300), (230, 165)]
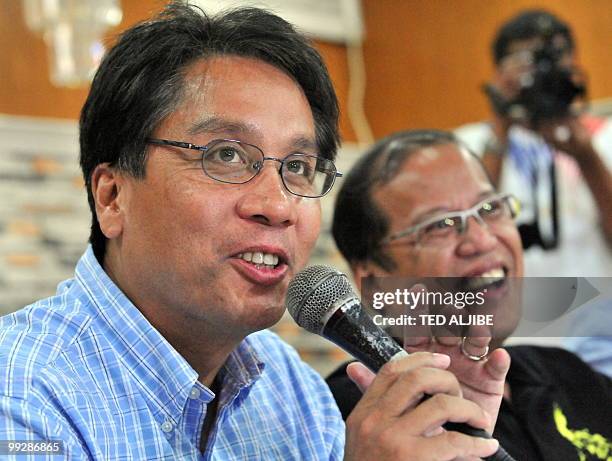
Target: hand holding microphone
[(393, 420)]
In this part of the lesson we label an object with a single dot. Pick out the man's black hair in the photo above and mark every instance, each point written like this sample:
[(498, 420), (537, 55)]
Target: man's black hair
[(140, 82), (359, 225), (526, 25)]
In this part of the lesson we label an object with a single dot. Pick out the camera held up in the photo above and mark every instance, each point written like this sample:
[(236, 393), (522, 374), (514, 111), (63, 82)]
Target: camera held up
[(549, 89)]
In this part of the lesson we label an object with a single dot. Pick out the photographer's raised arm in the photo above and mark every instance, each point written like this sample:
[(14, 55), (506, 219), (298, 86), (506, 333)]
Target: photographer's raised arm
[(571, 136)]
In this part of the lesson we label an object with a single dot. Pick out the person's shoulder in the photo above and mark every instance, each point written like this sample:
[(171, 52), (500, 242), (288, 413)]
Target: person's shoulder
[(602, 139), (539, 353), (556, 365), (282, 361), (293, 378), (34, 337), (271, 348), (475, 135)]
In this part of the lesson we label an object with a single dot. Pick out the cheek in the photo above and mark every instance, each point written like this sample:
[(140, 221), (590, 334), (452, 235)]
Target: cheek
[(180, 218), (513, 242), (308, 229), (435, 262), (197, 207)]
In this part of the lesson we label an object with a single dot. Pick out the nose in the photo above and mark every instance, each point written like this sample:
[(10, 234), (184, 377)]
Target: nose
[(267, 201), (476, 239)]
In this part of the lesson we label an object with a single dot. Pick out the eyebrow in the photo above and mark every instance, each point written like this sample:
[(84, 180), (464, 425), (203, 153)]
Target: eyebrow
[(218, 125), (438, 210), (304, 143)]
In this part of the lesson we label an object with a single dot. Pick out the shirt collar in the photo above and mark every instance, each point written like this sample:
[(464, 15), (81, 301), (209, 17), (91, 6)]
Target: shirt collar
[(165, 377), (243, 366), (240, 371)]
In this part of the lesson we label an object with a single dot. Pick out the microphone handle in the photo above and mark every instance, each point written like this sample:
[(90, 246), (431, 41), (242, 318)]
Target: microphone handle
[(348, 326), (499, 455)]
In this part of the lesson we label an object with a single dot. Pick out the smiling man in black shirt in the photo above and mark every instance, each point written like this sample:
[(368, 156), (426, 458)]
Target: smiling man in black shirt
[(418, 204)]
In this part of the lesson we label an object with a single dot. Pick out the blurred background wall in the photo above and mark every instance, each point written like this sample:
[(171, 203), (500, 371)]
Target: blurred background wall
[(424, 63), (425, 59)]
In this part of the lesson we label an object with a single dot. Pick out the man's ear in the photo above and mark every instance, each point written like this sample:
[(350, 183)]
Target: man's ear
[(107, 187), (364, 269), (360, 270)]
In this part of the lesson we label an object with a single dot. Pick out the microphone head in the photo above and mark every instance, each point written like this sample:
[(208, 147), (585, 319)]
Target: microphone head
[(313, 292)]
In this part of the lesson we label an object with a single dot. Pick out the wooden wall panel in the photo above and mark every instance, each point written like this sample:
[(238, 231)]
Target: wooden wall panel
[(425, 59), (25, 88)]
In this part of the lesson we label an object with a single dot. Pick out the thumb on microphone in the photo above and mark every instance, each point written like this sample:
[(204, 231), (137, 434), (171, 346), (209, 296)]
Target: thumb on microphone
[(360, 375)]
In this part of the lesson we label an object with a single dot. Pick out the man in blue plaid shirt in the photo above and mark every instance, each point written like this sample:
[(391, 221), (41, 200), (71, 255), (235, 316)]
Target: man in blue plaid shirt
[(157, 348)]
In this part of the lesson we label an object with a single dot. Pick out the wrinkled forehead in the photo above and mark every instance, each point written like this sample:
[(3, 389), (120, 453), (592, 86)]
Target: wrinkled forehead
[(233, 73), (437, 176), (447, 166)]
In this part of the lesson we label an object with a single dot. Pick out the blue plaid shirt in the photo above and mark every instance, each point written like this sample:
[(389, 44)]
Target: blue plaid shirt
[(86, 367)]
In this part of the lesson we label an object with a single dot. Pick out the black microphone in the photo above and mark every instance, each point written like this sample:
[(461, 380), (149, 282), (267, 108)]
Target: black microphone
[(321, 300)]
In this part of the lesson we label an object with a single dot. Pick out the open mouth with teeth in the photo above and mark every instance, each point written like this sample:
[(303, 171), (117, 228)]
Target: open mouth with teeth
[(490, 280), (260, 259)]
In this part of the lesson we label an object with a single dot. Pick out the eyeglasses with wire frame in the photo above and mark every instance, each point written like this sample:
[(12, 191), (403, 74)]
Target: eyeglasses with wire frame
[(501, 208), (236, 162)]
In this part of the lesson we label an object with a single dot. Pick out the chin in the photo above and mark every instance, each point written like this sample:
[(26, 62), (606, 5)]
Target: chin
[(260, 317)]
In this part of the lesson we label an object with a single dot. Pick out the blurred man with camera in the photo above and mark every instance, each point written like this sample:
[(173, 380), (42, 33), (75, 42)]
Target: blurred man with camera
[(541, 147)]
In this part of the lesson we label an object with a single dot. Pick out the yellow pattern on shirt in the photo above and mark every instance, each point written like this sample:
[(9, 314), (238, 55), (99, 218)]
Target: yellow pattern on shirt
[(585, 442)]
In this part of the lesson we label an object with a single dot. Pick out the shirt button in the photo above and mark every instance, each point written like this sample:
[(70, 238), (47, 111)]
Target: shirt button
[(167, 426), (194, 393)]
